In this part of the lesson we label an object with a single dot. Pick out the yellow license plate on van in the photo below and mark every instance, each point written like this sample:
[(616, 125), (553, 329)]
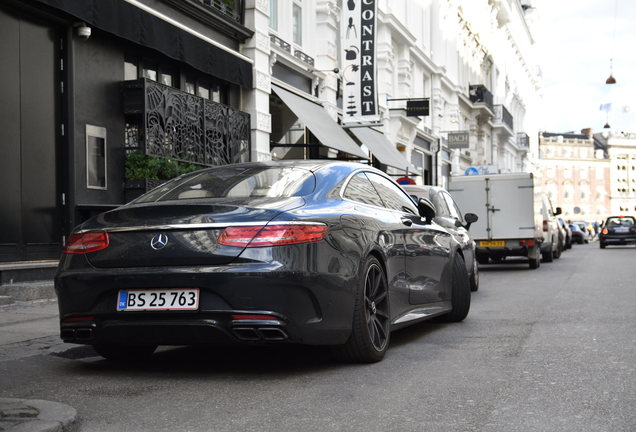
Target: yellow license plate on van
[(492, 243)]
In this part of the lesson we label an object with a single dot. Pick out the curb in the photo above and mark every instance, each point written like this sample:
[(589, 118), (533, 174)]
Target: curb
[(35, 415), (27, 291)]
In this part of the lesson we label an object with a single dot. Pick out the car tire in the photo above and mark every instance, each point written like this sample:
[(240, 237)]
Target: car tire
[(460, 292), (370, 332), (602, 245), (557, 253), (534, 263), (124, 352), (474, 277), (547, 255)]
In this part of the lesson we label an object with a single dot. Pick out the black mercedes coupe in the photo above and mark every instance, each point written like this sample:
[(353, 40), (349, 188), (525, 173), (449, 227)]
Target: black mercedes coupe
[(311, 252)]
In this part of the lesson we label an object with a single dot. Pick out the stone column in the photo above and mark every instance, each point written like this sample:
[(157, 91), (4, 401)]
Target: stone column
[(256, 101)]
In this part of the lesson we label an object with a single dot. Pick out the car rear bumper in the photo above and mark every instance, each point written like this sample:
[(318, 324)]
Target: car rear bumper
[(618, 239), (304, 308)]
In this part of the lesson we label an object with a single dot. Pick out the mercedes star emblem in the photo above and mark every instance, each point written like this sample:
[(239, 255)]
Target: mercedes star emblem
[(159, 241)]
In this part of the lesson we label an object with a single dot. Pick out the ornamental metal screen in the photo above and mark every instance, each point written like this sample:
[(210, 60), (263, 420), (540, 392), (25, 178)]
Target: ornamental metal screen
[(185, 127)]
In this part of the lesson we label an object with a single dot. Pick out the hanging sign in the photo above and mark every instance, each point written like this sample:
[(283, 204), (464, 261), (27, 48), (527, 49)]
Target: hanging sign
[(357, 39), (458, 140), (417, 107)]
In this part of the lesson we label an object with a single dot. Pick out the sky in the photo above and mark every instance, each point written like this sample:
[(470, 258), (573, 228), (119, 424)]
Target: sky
[(575, 41)]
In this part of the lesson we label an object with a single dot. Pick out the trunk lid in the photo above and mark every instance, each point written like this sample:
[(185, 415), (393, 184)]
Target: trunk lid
[(183, 234)]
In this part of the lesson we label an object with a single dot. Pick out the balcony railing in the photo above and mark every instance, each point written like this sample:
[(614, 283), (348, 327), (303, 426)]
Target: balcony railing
[(478, 93), (166, 122), (502, 115), (226, 16), (230, 8)]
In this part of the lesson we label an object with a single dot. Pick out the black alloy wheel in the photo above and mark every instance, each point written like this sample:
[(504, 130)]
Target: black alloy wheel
[(370, 332)]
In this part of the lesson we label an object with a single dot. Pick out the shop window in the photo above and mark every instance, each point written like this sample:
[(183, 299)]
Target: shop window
[(95, 157), (190, 87), (130, 70), (166, 79), (203, 92), (150, 73)]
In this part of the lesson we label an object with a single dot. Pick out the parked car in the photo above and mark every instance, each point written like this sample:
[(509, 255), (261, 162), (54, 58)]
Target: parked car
[(312, 252), (578, 236), (448, 215), (584, 227), (567, 233), (618, 230)]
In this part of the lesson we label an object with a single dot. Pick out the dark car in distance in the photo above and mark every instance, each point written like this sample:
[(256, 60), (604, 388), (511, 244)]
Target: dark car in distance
[(618, 230), (311, 252), (448, 215)]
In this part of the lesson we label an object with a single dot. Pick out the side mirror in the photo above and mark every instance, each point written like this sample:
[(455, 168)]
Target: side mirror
[(470, 219), (557, 211), (426, 209)]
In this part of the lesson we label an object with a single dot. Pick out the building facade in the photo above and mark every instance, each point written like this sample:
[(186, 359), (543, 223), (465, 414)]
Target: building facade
[(576, 174), (472, 60), (621, 149), (100, 97), (86, 83)]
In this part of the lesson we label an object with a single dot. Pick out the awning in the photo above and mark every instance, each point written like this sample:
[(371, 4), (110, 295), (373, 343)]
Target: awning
[(382, 148), (132, 23), (328, 132)]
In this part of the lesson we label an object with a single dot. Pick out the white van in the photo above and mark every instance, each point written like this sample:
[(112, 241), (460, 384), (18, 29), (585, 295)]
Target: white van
[(515, 218)]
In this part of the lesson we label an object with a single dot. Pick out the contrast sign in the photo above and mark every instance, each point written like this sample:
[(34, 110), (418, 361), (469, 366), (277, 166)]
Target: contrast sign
[(458, 140), (357, 37)]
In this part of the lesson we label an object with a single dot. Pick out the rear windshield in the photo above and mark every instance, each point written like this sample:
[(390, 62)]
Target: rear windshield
[(625, 221), (235, 182)]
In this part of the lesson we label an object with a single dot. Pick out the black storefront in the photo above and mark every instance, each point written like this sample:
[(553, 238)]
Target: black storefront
[(85, 85)]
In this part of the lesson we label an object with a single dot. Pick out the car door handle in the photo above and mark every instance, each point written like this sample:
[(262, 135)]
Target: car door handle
[(407, 221)]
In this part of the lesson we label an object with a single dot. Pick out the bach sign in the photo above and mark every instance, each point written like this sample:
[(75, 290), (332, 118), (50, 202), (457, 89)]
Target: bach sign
[(357, 36)]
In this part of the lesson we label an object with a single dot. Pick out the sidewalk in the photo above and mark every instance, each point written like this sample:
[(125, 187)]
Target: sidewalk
[(31, 415), (31, 328)]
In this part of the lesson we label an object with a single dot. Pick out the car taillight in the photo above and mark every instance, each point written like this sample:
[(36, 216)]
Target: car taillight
[(545, 226), (605, 231), (86, 242), (272, 235)]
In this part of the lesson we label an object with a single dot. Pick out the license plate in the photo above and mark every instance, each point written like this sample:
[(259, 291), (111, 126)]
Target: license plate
[(492, 243), (621, 229), (158, 299)]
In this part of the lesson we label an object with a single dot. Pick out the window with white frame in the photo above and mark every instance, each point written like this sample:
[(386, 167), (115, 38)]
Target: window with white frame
[(273, 14), (297, 23), (95, 157)]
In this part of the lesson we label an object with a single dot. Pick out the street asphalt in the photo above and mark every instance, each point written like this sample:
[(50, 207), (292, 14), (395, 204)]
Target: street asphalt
[(33, 324)]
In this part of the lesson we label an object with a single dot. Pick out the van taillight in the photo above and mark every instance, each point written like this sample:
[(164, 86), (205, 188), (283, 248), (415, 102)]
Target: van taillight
[(86, 242), (272, 235), (545, 226)]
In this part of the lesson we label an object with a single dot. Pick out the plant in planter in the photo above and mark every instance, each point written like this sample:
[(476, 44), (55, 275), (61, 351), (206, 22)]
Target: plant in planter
[(144, 172)]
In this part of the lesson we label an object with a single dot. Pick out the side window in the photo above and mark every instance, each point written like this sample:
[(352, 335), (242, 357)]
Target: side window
[(392, 195), (454, 210), (440, 204), (360, 189)]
